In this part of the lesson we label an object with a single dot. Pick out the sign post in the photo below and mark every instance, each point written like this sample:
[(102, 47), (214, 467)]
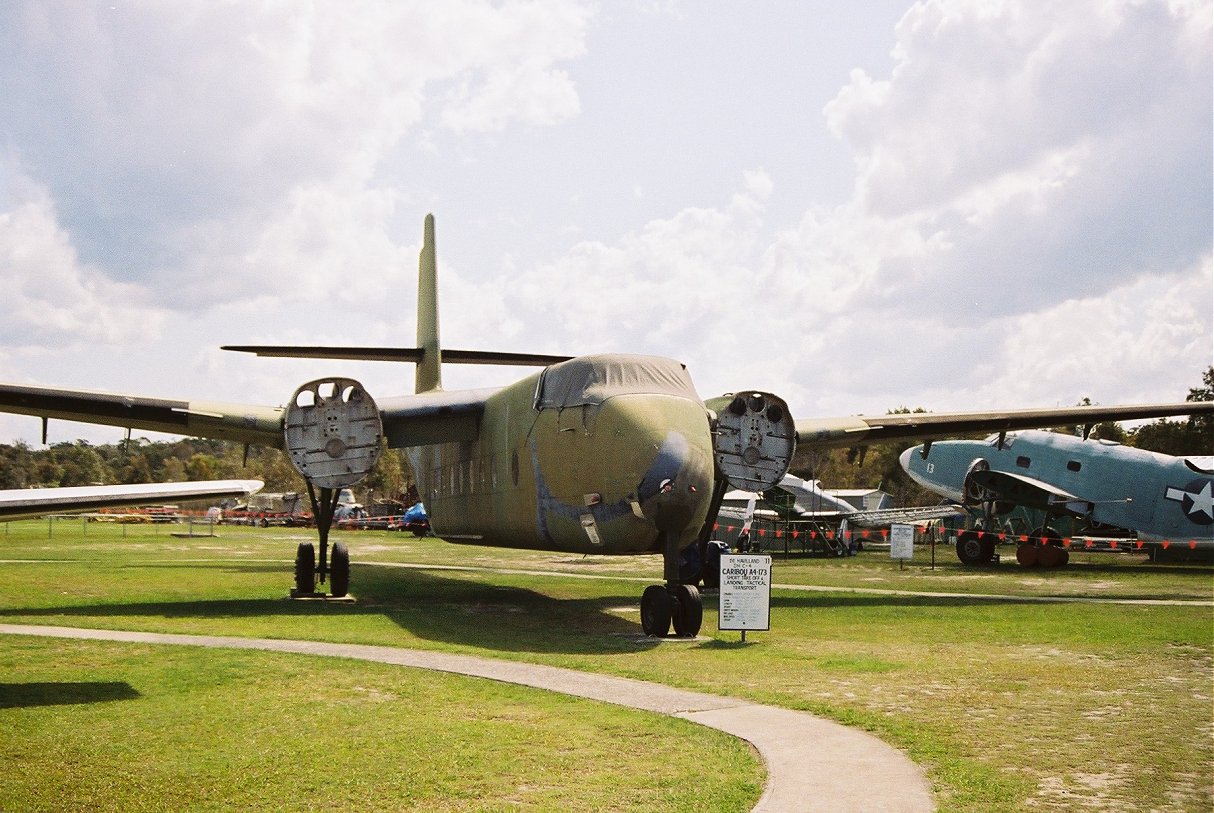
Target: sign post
[(901, 543), (745, 593)]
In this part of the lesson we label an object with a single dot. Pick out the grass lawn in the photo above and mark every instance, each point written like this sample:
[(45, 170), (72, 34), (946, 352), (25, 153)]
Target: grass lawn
[(1008, 704)]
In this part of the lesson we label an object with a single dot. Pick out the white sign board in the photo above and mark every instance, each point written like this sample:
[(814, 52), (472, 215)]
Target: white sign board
[(902, 541), (745, 592)]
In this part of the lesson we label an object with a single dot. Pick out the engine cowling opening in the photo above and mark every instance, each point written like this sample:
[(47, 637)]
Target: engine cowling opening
[(754, 440), (332, 431)]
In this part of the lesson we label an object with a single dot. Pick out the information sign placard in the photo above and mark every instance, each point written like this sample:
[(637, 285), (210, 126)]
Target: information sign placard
[(902, 542), (745, 592)]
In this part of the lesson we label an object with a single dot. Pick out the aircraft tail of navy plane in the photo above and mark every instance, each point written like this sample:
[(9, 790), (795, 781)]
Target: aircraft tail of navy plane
[(1168, 501), (608, 454)]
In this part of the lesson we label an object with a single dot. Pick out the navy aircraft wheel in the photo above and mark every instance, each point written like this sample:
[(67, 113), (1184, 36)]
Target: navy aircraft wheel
[(1052, 553), (1050, 556), (657, 610), (305, 568), (971, 550), (688, 611), (1026, 554), (339, 571)]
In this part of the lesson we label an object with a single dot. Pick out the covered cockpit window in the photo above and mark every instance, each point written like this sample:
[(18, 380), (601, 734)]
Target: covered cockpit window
[(591, 380)]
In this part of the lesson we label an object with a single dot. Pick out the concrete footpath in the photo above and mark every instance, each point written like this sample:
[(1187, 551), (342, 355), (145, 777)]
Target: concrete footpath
[(812, 764)]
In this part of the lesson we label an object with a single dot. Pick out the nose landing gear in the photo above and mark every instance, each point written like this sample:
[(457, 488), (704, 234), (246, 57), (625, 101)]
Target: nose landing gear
[(674, 603)]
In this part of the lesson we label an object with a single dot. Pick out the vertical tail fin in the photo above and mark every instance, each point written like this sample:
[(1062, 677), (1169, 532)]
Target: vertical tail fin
[(429, 369)]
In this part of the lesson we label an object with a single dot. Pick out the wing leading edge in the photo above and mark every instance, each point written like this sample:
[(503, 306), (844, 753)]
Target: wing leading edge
[(408, 420), (825, 433)]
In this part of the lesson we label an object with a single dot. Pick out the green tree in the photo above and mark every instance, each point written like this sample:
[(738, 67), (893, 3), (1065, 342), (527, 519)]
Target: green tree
[(1189, 436)]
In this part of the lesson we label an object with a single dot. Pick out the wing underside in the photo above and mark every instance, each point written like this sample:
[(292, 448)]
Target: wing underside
[(27, 503)]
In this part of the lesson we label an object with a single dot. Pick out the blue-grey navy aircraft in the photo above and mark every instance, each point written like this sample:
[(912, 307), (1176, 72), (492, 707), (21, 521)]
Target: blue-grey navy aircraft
[(1168, 501), (603, 454)]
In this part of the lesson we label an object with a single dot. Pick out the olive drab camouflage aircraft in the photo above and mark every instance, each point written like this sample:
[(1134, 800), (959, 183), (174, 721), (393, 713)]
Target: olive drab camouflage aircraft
[(604, 454)]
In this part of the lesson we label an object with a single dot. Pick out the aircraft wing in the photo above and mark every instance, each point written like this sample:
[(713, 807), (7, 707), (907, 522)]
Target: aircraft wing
[(823, 433), (203, 419), (27, 503), (408, 420), (911, 515)]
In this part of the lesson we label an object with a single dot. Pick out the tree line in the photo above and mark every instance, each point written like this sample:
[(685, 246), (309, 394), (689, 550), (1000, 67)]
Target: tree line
[(140, 460)]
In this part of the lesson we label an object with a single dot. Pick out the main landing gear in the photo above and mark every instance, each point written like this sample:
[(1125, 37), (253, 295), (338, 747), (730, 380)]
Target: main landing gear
[(673, 604), (332, 432), (1043, 548), (307, 568)]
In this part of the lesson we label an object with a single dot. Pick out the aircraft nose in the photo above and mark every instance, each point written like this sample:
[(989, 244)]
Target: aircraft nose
[(676, 485), (674, 469), (904, 459)]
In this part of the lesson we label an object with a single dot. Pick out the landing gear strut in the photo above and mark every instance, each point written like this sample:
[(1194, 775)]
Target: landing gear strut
[(332, 432), (308, 570)]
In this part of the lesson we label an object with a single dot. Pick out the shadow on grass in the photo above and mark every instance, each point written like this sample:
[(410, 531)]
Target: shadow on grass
[(466, 611), (29, 695)]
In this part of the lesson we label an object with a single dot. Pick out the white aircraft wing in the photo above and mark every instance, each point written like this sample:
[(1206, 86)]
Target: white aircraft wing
[(26, 503)]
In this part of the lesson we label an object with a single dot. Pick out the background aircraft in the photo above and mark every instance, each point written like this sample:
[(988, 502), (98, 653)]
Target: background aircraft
[(27, 503), (607, 454), (1168, 501)]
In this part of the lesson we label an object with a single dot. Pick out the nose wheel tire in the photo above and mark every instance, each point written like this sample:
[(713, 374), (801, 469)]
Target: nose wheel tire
[(689, 611), (657, 611)]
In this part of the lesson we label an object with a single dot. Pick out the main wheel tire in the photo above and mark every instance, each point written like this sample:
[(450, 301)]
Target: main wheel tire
[(305, 568), (339, 571), (1050, 556), (657, 608), (1026, 554), (689, 611), (970, 549), (1052, 553)]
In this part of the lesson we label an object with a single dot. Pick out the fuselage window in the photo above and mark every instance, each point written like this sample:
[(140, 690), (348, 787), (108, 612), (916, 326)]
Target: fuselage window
[(1073, 465), (514, 468), (1022, 462)]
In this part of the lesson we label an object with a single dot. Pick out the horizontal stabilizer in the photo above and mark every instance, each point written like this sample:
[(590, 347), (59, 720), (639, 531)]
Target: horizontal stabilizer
[(409, 354)]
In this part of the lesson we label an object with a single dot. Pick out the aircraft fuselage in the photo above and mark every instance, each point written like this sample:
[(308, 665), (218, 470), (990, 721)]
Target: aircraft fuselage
[(604, 476), (1159, 496)]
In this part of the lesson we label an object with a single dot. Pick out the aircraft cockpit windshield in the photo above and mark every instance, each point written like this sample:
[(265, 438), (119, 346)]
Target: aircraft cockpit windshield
[(591, 380)]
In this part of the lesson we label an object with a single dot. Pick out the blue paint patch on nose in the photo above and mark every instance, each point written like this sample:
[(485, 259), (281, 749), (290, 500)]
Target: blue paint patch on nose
[(663, 474)]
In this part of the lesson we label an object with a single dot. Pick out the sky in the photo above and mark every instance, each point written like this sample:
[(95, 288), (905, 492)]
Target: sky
[(858, 207)]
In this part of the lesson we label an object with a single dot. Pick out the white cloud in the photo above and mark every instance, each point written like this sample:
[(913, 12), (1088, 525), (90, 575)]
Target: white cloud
[(260, 169), (176, 132), (51, 298), (1044, 142)]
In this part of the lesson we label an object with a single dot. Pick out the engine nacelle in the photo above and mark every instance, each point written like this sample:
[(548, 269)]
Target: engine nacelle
[(754, 439), (333, 430), (972, 491)]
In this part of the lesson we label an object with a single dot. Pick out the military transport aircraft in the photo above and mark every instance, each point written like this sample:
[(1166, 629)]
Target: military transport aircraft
[(606, 454), (28, 503), (1168, 501)]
